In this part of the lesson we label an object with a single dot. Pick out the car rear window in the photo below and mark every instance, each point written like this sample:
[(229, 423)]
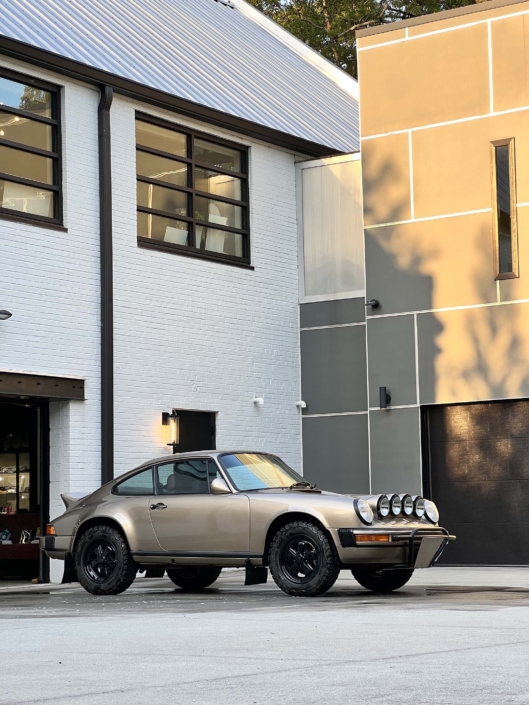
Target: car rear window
[(137, 485)]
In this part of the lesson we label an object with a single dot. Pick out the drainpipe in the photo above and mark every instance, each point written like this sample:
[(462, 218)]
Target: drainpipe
[(107, 303)]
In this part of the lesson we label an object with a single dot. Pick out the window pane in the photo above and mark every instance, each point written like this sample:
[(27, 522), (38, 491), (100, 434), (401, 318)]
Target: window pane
[(217, 155), (214, 240), (218, 184), (24, 131), (184, 477), (162, 199), (26, 199), (160, 138), (17, 95), (26, 165), (161, 168), (218, 212), (255, 471), (140, 484), (503, 190), (165, 229)]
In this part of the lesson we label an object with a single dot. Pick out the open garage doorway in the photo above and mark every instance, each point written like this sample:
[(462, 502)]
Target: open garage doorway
[(476, 469), (24, 489)]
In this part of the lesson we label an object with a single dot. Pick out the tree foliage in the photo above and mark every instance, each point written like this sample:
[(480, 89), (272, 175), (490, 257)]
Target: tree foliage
[(330, 26)]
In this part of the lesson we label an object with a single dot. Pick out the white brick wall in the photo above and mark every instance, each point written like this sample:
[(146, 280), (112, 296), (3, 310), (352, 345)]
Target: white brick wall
[(189, 334)]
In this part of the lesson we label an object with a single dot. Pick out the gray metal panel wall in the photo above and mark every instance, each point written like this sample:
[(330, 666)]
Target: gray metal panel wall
[(333, 370), (332, 313), (335, 453)]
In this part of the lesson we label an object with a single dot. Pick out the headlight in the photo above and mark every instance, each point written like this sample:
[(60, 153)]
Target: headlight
[(407, 504), (364, 511), (431, 511), (396, 505), (383, 507), (419, 507)]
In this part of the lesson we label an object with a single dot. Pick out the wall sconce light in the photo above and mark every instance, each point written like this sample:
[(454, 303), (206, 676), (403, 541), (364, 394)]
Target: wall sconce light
[(172, 420), (258, 401), (301, 405), (4, 315), (385, 397)]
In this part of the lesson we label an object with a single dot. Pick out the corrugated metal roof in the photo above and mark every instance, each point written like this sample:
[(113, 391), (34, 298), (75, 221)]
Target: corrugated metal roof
[(231, 59)]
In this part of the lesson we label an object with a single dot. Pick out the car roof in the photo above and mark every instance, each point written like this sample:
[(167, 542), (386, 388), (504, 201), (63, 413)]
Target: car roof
[(196, 454)]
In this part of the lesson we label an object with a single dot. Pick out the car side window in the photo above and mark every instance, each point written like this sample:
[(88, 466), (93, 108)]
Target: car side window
[(183, 477), (213, 471), (137, 485)]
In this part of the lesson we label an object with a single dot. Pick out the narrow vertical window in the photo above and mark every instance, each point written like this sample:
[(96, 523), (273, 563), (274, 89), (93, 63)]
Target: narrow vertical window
[(504, 210)]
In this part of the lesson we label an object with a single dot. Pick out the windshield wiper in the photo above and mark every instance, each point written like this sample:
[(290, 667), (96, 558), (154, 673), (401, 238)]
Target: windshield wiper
[(301, 484)]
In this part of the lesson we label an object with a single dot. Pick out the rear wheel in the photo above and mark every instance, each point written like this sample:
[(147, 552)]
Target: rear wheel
[(382, 580), (194, 577), (103, 562), (303, 560)]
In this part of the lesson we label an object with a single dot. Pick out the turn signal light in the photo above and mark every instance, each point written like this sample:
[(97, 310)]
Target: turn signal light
[(367, 538), (50, 530)]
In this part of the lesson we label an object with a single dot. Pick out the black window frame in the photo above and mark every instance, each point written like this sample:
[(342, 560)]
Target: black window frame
[(126, 479), (55, 155), (209, 462), (192, 250)]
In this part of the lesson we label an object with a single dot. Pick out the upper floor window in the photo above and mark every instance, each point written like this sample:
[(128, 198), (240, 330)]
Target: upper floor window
[(30, 181), (504, 210), (192, 192)]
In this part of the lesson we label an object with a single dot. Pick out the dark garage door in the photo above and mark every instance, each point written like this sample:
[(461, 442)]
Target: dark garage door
[(479, 478)]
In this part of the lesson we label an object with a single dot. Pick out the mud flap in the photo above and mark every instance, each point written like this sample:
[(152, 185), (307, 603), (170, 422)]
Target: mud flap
[(255, 575), (70, 574)]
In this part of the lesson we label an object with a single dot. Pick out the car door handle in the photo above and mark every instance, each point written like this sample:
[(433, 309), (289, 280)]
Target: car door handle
[(160, 505)]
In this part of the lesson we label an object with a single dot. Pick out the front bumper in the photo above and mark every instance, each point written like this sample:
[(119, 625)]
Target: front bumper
[(418, 548)]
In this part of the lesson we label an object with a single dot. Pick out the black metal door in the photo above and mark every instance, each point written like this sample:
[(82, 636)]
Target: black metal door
[(196, 431), (477, 471)]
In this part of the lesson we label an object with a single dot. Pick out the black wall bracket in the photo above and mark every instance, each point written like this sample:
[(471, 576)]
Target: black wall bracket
[(385, 397)]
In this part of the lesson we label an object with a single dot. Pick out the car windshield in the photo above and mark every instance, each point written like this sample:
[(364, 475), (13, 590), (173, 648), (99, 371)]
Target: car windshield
[(258, 471)]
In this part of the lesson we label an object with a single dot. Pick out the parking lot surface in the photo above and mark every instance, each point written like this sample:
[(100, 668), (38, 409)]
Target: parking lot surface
[(451, 636)]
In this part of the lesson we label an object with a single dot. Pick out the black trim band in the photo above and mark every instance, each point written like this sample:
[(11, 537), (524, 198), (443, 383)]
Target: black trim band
[(194, 554)]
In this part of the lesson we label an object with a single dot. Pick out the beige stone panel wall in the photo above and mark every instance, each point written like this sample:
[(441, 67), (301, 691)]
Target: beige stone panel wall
[(452, 165), (435, 79), (478, 354), (382, 38), (386, 179), (452, 255), (516, 289), (510, 62), (462, 20)]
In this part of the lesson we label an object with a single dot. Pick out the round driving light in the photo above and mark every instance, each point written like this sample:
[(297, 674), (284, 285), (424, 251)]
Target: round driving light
[(364, 511), (396, 505), (383, 507), (407, 504), (419, 507), (431, 511)]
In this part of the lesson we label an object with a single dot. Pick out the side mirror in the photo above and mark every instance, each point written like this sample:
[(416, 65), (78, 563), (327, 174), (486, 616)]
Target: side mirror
[(219, 486)]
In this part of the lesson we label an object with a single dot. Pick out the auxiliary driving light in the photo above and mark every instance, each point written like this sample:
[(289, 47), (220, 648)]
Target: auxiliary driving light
[(383, 507), (431, 511), (407, 504), (396, 505), (419, 507), (364, 511)]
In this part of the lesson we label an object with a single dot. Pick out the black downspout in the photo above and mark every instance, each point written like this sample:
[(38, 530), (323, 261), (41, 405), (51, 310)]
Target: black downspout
[(107, 302)]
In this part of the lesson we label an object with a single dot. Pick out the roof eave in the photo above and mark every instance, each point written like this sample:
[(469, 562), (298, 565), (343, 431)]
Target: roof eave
[(87, 74)]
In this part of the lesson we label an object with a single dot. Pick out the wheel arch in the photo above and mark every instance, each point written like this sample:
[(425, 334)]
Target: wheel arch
[(286, 518), (98, 521)]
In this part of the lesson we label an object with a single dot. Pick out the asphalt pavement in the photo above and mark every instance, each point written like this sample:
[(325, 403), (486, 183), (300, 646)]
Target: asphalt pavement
[(451, 637)]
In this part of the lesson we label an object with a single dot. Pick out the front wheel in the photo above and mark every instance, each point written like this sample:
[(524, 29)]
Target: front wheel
[(194, 577), (303, 560), (382, 580), (103, 562)]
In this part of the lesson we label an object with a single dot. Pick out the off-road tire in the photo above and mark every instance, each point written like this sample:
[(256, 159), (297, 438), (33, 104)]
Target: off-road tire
[(325, 559), (194, 577), (382, 581), (124, 569)]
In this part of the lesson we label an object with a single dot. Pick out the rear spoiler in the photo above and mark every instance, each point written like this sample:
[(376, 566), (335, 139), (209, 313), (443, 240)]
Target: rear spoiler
[(72, 500)]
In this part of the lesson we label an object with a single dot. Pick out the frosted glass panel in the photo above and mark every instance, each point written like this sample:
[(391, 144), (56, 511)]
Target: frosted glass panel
[(333, 239)]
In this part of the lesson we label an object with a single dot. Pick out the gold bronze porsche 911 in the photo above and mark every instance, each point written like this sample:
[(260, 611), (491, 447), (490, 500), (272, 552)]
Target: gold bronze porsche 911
[(192, 514)]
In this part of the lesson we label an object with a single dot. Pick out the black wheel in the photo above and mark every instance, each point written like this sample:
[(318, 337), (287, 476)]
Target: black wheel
[(103, 562), (194, 577), (382, 580), (303, 561)]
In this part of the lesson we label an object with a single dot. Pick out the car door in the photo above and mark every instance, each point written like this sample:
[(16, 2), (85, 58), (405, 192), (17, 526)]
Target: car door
[(186, 517)]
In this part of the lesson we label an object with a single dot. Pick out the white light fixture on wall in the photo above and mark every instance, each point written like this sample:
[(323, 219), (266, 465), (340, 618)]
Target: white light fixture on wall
[(172, 420), (301, 405), (258, 401)]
